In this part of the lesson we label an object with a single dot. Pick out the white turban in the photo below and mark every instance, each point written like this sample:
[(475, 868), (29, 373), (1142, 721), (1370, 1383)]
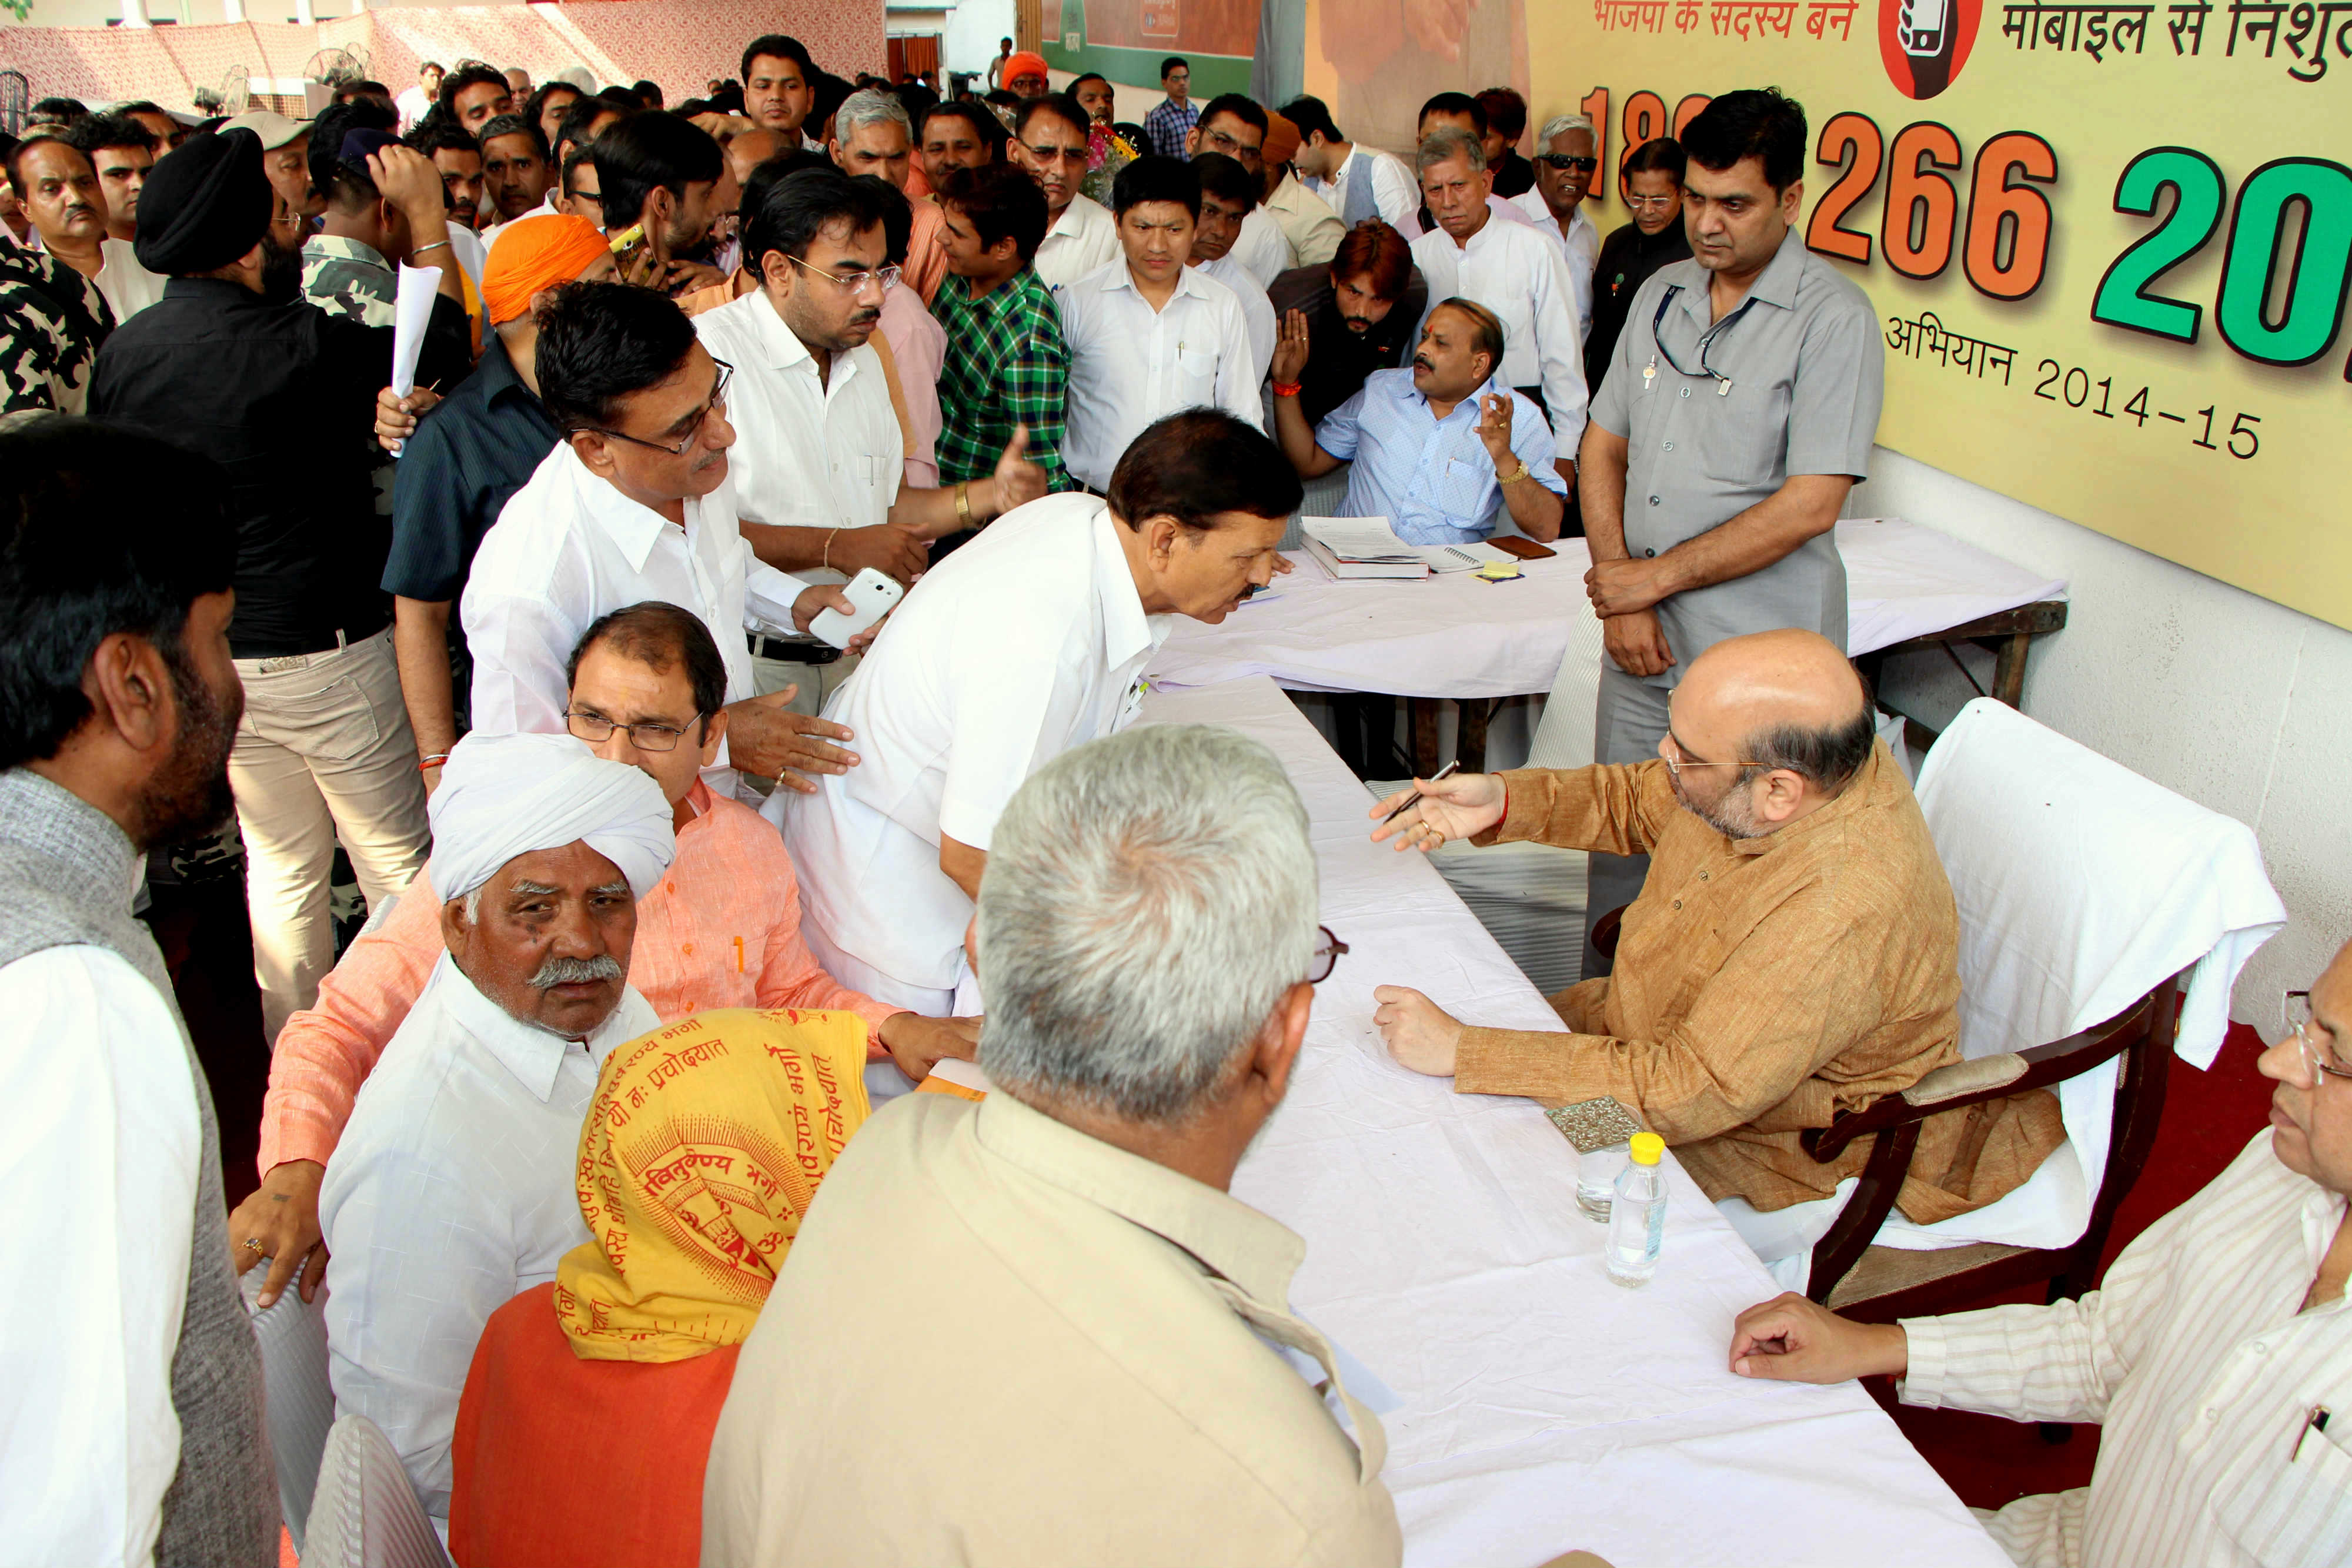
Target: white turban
[(507, 795)]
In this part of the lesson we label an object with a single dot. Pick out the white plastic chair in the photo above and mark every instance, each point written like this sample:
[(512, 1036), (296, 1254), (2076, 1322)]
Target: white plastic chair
[(300, 1403), (365, 1514)]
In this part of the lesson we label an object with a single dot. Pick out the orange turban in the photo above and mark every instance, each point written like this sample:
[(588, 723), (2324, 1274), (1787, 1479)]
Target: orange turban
[(536, 252), (1025, 63), (1281, 140)]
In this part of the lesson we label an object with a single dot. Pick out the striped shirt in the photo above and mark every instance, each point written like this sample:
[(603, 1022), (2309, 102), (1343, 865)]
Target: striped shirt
[(1166, 127), (1006, 365), (2203, 1370)]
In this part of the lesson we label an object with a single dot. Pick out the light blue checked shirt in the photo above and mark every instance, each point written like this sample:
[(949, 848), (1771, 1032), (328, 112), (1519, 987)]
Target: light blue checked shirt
[(1431, 478)]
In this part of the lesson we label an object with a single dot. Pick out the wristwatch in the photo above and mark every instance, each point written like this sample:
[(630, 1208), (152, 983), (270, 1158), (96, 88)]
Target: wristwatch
[(1513, 479)]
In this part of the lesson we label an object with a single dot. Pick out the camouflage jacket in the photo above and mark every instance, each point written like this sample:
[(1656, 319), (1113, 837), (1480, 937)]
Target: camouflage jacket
[(52, 321), (346, 279)]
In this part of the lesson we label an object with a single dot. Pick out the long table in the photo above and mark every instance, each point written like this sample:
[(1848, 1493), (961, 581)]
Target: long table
[(1454, 636), (1542, 1407)]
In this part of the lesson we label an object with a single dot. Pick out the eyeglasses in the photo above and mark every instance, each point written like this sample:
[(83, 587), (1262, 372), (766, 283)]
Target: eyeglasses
[(1218, 142), (885, 279), (596, 729), (1562, 161), (1676, 761), (1327, 948), (1651, 204), (2316, 1057), (717, 404), (1055, 154)]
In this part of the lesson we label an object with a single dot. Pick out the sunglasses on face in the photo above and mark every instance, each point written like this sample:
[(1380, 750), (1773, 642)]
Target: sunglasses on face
[(1563, 161)]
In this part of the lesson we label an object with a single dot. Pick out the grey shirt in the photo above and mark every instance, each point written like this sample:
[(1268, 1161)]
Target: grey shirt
[(1804, 371)]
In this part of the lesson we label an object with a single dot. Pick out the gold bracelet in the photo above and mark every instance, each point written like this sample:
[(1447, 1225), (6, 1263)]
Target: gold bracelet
[(824, 562), (963, 503), (1513, 479)]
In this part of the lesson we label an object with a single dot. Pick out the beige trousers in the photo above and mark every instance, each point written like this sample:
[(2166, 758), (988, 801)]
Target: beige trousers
[(324, 752)]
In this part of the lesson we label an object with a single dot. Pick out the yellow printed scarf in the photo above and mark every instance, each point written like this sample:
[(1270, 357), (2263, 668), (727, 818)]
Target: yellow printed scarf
[(701, 1151)]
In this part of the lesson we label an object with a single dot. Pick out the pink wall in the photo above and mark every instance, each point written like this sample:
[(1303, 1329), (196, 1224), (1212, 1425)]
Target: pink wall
[(678, 42)]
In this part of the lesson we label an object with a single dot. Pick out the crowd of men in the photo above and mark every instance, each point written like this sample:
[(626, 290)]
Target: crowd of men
[(669, 894)]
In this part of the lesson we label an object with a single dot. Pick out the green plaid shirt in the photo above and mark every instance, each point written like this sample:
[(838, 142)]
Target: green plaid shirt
[(1006, 364)]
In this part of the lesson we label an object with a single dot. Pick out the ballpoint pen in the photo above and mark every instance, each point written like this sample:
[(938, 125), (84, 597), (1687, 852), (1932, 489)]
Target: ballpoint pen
[(1435, 778)]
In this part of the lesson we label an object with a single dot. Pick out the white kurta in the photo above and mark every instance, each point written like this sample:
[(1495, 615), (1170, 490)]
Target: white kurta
[(452, 1191), (569, 548), (103, 1136), (1581, 244), (1028, 641), (806, 455), (1130, 364), (1083, 238), (1525, 279), (2194, 1357)]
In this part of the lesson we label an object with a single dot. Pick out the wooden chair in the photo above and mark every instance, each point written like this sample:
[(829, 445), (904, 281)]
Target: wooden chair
[(1880, 1284)]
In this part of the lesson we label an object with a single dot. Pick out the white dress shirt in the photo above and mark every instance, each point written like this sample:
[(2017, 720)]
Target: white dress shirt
[(451, 1192), (102, 1134), (1263, 248), (1083, 238), (1130, 364), (1525, 279), (1028, 641), (129, 288), (569, 548), (1257, 310), (1394, 191), (2195, 1357), (805, 455), (1581, 244)]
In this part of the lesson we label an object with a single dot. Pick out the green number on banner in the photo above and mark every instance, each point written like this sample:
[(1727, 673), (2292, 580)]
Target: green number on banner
[(2123, 300), (2314, 288)]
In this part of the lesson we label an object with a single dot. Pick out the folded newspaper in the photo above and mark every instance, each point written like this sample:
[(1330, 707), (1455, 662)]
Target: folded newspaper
[(1368, 549)]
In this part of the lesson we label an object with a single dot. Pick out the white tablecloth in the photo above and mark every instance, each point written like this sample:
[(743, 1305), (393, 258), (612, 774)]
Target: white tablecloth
[(1543, 1407), (1454, 636)]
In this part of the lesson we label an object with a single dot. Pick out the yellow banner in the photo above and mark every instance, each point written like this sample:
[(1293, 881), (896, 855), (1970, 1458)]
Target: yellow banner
[(2109, 243)]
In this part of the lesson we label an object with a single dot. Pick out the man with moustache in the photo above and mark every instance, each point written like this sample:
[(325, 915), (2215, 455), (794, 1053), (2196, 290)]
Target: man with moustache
[(2212, 1354), (780, 88), (1566, 156), (1049, 142), (289, 395), (451, 1188), (958, 136), (131, 1421), (285, 158), (58, 188), (1229, 194), (1361, 313), (1443, 450)]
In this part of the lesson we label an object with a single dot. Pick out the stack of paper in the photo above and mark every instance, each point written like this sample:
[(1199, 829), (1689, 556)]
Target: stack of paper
[(1366, 548)]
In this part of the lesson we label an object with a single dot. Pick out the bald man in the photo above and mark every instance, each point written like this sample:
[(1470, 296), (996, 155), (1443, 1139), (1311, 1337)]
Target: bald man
[(1793, 954)]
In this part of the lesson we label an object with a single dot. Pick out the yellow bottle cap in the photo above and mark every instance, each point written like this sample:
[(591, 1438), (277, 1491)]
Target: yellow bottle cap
[(1647, 1147)]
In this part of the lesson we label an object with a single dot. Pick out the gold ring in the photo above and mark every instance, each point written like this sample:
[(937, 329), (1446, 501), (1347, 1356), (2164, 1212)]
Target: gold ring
[(254, 1243)]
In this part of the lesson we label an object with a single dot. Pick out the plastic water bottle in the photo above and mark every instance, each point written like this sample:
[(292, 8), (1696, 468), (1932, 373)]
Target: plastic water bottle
[(1637, 1216)]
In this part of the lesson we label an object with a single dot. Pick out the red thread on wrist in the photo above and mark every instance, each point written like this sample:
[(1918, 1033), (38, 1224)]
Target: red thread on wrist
[(1288, 389)]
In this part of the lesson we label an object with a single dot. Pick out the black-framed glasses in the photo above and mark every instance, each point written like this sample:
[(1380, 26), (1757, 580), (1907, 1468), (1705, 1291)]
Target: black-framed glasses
[(1563, 161), (884, 278), (717, 404), (1055, 154), (2316, 1057), (1706, 343), (596, 729), (1327, 948)]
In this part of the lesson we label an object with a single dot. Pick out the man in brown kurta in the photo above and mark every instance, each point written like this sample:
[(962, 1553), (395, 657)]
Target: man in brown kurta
[(1768, 977)]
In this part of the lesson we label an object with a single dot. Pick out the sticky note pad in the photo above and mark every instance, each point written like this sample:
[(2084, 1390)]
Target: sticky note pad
[(1499, 570)]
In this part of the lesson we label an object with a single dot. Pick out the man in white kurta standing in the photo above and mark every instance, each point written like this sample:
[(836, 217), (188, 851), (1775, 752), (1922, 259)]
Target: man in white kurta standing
[(1512, 270), (819, 473), (1147, 334), (1028, 641), (635, 504)]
